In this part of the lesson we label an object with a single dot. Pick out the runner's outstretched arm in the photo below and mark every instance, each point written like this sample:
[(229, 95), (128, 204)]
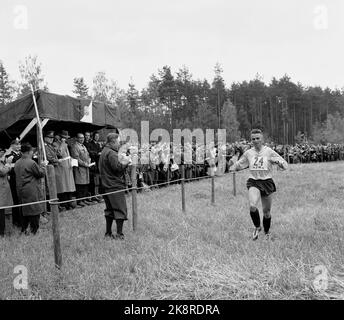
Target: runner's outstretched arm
[(277, 159)]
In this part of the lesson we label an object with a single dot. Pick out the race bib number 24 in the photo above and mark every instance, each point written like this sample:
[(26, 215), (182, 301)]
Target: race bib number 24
[(259, 163)]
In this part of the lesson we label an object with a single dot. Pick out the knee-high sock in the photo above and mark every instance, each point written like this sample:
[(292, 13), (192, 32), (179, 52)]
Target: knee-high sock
[(255, 217), (109, 221), (2, 222), (25, 224), (266, 224), (34, 223), (119, 223)]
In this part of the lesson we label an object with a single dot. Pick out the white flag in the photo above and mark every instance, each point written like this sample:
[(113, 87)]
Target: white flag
[(87, 114)]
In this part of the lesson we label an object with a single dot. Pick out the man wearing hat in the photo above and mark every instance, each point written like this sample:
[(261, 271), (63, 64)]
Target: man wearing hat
[(29, 175), (112, 166), (94, 151), (82, 171), (65, 184), (49, 148), (14, 153), (51, 153)]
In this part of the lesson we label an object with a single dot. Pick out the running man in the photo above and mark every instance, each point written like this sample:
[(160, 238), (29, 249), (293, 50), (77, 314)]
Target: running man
[(259, 159)]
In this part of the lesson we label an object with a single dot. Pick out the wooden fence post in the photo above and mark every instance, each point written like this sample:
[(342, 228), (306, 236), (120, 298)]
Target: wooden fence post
[(183, 187), (40, 160), (55, 216), (134, 196), (212, 184), (234, 184), (168, 176)]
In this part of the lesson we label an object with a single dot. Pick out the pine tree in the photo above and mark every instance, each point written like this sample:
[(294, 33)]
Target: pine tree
[(218, 94), (132, 112), (167, 92), (80, 88), (6, 87), (133, 98), (230, 122)]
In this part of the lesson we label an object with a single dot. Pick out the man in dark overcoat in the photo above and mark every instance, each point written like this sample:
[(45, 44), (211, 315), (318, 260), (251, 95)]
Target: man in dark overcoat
[(29, 189), (112, 167), (94, 151)]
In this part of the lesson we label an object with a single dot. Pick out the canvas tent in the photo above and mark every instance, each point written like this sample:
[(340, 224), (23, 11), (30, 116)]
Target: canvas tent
[(58, 112)]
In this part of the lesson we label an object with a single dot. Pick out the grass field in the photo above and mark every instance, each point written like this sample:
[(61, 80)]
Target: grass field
[(206, 253)]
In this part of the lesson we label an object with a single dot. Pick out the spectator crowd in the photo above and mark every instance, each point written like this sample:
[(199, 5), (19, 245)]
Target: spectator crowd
[(76, 163)]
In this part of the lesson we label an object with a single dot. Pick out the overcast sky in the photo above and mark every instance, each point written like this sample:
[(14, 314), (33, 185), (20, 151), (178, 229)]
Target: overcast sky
[(134, 38)]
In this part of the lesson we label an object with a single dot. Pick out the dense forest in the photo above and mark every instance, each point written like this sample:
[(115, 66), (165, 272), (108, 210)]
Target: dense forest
[(288, 112)]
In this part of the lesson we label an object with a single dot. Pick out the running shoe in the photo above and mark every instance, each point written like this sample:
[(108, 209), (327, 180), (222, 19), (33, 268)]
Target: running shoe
[(268, 236), (256, 232)]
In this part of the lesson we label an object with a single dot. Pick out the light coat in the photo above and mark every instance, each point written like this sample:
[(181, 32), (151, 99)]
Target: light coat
[(64, 170), (5, 190), (82, 172)]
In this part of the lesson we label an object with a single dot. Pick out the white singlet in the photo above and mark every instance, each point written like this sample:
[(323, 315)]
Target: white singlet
[(259, 162)]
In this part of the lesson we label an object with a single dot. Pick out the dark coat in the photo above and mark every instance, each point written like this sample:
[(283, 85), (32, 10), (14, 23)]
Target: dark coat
[(16, 157), (94, 149), (29, 188), (111, 170), (112, 178)]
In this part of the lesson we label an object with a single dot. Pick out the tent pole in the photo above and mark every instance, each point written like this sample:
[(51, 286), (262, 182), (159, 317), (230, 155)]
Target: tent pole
[(39, 124), (8, 135), (40, 147), (30, 126)]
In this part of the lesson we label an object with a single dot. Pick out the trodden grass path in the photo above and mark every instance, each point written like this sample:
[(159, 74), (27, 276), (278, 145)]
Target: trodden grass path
[(205, 253)]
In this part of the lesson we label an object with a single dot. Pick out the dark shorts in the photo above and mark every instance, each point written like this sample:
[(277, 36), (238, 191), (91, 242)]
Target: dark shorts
[(266, 187)]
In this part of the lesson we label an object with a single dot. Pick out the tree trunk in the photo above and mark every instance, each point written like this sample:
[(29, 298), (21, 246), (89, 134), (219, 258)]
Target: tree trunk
[(276, 121), (261, 111), (305, 120), (294, 125), (311, 118), (271, 118), (326, 113)]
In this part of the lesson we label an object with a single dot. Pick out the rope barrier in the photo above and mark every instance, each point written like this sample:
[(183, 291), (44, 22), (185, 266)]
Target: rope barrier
[(57, 202), (27, 204)]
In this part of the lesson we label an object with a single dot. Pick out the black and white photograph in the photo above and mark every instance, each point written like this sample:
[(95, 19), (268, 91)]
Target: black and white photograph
[(171, 156)]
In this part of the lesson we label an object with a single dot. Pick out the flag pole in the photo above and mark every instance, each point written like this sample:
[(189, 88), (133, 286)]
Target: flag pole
[(40, 131), (52, 191)]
